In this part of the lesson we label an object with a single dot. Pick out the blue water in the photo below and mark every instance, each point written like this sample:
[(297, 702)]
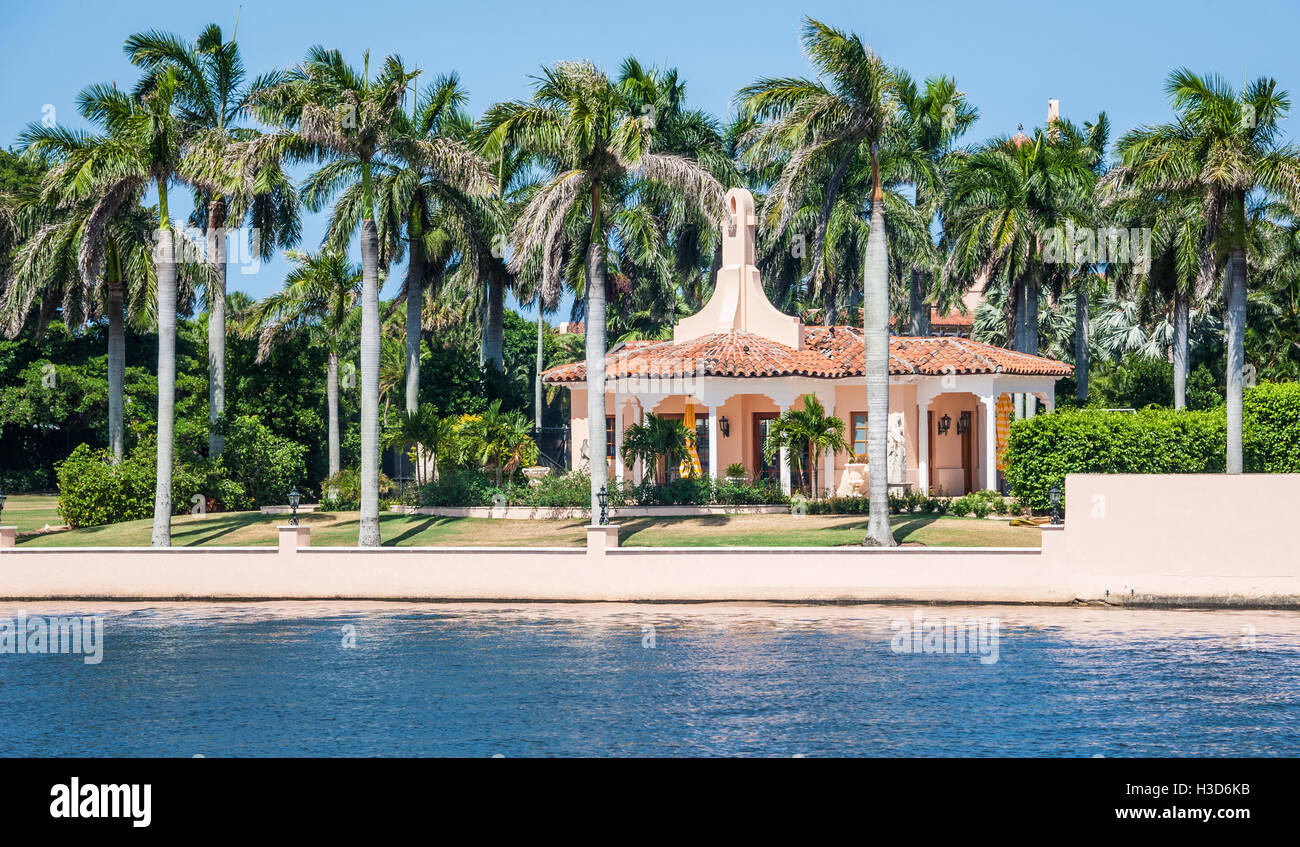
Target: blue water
[(720, 680)]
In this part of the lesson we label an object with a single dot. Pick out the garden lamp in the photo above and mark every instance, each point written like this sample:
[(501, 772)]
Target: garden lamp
[(602, 497), (2, 501), (295, 497), (1054, 495)]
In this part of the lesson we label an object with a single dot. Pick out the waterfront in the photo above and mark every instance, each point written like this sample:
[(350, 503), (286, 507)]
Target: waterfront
[(389, 679)]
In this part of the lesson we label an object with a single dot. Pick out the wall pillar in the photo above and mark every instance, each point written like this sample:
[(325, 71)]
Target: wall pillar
[(989, 402), (618, 437), (8, 537), (293, 537), (601, 538), (713, 442), (923, 444)]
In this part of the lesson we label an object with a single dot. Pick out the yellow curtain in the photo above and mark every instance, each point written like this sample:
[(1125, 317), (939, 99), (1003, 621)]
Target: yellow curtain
[(1003, 412), (692, 462)]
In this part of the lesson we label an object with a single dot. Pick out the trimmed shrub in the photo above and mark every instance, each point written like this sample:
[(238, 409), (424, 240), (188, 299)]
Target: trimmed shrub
[(265, 465), (1270, 428), (94, 491), (1043, 449)]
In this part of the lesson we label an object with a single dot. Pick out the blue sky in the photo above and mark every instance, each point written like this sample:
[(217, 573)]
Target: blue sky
[(1010, 57)]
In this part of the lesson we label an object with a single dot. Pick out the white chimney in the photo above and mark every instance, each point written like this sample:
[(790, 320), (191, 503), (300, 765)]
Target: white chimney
[(1053, 110)]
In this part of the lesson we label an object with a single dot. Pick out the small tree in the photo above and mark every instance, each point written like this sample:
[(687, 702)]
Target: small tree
[(809, 427), (657, 439), (504, 440)]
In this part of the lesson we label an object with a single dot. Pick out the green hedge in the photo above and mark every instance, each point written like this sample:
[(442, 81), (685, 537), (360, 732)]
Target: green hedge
[(1043, 449), (93, 491), (472, 487)]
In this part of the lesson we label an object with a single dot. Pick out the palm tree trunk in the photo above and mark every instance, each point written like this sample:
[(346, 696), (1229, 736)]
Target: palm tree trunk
[(216, 233), (596, 354), (116, 359), (414, 290), (1182, 349), (368, 534), (1082, 350), (1032, 284), (1236, 315), (875, 334), (537, 380), (332, 401), (917, 310), (166, 272), (493, 329)]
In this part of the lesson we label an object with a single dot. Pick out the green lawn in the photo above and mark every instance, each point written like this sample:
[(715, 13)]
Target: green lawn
[(340, 529), (30, 511)]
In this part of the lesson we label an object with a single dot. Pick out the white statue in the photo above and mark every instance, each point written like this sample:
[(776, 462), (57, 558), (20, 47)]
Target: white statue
[(896, 457)]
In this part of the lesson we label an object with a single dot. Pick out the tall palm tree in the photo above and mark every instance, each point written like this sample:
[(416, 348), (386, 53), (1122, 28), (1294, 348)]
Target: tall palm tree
[(46, 271), (932, 119), (429, 185), (341, 114), (1222, 147), (228, 183), (319, 297), (142, 144), (847, 109), (582, 124), (1006, 199)]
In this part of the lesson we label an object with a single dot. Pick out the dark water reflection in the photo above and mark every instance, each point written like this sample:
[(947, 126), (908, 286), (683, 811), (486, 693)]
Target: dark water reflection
[(754, 680)]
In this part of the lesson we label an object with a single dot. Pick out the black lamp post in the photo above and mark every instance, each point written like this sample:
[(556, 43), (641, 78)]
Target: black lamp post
[(295, 497), (2, 501), (1054, 494), (602, 497)]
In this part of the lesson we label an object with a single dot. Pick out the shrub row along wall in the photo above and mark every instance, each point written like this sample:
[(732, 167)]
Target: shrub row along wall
[(1043, 449)]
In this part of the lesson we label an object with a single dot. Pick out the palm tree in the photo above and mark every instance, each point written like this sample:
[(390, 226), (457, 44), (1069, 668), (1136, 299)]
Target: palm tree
[(46, 272), (834, 121), (341, 114), (428, 181), (319, 297), (932, 119), (809, 428), (1222, 147), (141, 144), (505, 439), (661, 443), (229, 183), (583, 125)]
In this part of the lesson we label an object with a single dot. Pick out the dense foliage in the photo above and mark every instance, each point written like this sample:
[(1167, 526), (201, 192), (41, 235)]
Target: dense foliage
[(1042, 450)]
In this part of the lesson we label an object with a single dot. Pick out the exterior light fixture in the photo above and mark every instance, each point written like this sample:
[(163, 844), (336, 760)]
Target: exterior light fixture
[(602, 497), (1054, 495), (944, 423), (963, 423), (2, 501), (724, 426), (295, 497)]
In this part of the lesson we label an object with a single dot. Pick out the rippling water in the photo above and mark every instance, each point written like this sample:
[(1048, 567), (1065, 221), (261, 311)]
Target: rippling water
[(748, 680)]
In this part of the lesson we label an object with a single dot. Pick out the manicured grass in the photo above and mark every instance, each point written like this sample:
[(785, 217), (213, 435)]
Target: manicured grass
[(31, 511), (340, 529)]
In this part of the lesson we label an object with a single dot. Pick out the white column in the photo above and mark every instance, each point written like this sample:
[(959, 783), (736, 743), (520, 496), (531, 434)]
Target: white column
[(618, 437), (990, 440), (828, 473), (713, 442), (923, 445)]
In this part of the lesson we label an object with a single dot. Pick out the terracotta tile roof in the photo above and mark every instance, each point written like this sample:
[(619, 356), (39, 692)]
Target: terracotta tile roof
[(829, 353)]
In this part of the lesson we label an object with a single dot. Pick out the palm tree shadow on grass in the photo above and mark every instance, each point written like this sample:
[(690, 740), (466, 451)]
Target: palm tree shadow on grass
[(907, 527), (415, 530), (213, 528)]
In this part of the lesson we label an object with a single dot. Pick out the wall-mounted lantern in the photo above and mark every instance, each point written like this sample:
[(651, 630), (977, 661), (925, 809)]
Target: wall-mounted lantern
[(944, 424), (724, 426), (963, 423)]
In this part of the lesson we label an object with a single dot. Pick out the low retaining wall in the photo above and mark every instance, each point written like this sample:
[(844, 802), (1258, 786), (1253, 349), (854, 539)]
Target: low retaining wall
[(533, 513), (1139, 540)]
